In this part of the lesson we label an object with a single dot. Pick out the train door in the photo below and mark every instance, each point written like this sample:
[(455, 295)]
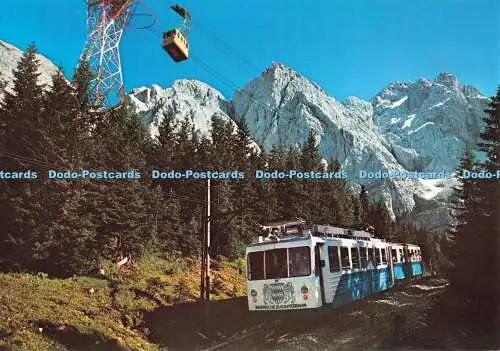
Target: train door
[(407, 262), (320, 265), (390, 260)]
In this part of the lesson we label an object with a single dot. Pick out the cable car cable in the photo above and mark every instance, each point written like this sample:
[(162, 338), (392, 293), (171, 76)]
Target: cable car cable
[(225, 47), (227, 82)]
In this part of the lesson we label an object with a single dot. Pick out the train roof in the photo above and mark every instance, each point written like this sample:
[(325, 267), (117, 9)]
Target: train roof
[(291, 231), (405, 244), (291, 239), (280, 223)]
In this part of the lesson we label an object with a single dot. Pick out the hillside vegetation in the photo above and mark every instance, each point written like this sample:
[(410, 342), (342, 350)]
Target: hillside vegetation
[(102, 313)]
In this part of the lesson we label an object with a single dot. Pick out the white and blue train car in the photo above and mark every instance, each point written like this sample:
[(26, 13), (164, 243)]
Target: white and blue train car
[(414, 260), (355, 267), (407, 261), (398, 255), (323, 266)]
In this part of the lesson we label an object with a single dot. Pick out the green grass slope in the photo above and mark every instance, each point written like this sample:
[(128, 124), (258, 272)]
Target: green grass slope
[(102, 313)]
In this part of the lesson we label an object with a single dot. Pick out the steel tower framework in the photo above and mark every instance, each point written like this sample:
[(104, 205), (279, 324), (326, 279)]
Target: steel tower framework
[(106, 21)]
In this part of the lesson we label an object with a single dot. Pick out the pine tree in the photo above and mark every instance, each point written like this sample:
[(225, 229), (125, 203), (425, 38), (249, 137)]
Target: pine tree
[(465, 201), (22, 138), (364, 205), (58, 110), (311, 155), (311, 188), (478, 235), (379, 217)]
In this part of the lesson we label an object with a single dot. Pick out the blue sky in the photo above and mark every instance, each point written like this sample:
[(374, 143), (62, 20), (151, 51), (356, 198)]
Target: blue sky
[(349, 47)]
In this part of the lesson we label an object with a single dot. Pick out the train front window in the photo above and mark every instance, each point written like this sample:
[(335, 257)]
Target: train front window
[(299, 260), (256, 265), (276, 266)]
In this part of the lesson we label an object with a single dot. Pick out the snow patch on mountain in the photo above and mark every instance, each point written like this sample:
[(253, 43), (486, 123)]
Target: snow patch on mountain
[(398, 103), (419, 128), (407, 123)]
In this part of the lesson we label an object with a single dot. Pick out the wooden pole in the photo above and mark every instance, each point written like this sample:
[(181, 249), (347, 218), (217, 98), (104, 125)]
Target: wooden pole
[(202, 273), (207, 278)]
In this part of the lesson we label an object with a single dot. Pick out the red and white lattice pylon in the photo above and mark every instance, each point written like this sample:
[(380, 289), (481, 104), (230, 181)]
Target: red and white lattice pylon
[(106, 21)]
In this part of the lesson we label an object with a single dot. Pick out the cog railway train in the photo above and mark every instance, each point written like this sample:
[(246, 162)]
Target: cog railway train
[(296, 266)]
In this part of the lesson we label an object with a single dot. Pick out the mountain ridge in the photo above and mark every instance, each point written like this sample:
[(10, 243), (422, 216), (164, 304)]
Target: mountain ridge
[(391, 131)]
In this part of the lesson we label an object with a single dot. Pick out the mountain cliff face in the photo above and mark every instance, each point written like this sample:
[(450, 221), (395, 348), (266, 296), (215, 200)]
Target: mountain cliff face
[(429, 124), (190, 99), (421, 126), (413, 126)]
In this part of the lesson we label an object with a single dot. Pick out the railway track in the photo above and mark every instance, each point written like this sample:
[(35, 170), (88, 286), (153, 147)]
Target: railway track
[(383, 316)]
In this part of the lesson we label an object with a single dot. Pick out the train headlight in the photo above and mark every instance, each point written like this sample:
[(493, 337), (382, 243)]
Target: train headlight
[(305, 291), (253, 292), (254, 299)]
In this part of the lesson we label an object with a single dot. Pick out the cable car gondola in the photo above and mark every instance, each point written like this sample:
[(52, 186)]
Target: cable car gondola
[(175, 41)]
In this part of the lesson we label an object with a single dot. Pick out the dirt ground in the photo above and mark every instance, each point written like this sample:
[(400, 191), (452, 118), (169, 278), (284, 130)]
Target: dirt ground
[(403, 318)]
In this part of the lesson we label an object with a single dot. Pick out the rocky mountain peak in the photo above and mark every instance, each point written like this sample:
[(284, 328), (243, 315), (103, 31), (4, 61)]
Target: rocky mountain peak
[(448, 80)]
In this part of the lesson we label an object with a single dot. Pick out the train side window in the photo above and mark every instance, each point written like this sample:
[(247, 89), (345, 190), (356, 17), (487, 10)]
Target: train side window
[(363, 256), (394, 254), (377, 256), (333, 258), (355, 257), (371, 255), (344, 258), (401, 256), (384, 256), (256, 265)]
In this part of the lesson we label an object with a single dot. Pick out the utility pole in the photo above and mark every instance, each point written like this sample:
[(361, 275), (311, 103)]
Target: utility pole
[(207, 245), (203, 258)]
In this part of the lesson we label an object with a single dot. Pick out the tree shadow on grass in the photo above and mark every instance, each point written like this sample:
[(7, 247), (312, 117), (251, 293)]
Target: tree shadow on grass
[(188, 326), (73, 339)]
